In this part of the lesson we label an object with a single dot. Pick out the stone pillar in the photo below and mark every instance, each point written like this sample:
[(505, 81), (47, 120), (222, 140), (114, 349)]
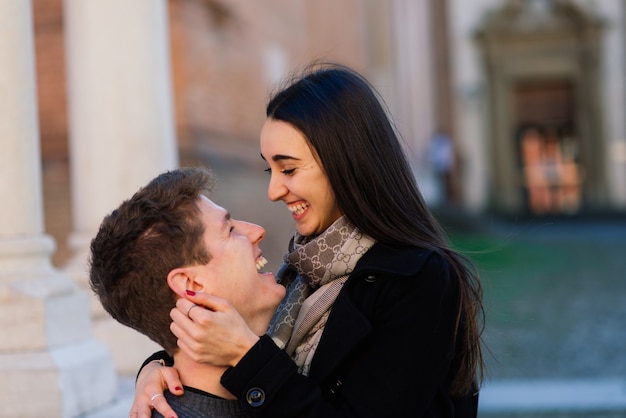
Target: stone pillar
[(121, 123), (50, 365), (414, 94)]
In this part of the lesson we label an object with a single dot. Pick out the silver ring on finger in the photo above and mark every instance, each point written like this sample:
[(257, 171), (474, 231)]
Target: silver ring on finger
[(154, 397), (189, 310)]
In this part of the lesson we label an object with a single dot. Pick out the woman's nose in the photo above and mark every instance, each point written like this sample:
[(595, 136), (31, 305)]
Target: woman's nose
[(276, 189)]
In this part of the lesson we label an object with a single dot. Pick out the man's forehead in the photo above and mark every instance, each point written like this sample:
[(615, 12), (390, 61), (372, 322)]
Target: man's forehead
[(216, 213)]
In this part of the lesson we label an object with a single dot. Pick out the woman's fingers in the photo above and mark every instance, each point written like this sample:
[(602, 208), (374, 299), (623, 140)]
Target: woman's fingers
[(208, 302), (140, 408), (172, 380), (210, 330), (151, 383), (193, 324), (160, 404)]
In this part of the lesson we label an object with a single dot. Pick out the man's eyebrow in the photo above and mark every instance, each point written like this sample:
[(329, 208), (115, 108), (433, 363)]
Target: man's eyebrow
[(226, 219)]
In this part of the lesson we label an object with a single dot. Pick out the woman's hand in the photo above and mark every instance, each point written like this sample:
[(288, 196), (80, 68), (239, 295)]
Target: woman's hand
[(210, 330), (153, 379)]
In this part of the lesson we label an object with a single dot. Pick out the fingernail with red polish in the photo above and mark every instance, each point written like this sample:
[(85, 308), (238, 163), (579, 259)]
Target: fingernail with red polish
[(190, 292), (178, 388)]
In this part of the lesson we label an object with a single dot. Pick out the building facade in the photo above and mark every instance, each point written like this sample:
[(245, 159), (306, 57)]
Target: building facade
[(539, 91)]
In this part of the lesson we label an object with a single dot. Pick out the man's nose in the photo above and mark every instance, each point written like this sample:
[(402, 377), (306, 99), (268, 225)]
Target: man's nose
[(254, 232)]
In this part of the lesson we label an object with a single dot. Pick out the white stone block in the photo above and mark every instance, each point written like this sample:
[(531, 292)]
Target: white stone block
[(63, 382)]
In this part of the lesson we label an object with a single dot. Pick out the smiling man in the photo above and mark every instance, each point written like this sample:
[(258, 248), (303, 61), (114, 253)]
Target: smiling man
[(169, 240)]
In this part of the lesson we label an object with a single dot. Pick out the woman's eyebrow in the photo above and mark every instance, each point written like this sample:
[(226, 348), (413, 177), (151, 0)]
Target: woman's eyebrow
[(280, 157)]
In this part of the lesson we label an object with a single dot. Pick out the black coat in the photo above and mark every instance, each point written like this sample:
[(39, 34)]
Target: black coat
[(386, 349)]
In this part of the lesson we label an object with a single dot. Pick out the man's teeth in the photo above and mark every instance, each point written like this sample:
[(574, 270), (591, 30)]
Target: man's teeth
[(261, 262), (298, 208)]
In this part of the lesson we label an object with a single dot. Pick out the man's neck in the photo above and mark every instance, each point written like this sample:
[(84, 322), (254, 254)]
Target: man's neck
[(201, 376)]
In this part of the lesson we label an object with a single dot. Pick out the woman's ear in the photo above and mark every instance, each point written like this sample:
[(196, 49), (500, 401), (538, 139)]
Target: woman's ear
[(182, 279)]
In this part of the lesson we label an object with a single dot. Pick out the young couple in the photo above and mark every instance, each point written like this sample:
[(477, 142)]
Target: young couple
[(378, 316)]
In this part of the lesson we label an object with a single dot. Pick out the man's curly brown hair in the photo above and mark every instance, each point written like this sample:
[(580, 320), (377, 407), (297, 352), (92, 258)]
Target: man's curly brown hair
[(139, 243)]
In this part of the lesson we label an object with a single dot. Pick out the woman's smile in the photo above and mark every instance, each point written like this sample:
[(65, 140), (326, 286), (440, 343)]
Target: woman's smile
[(298, 209)]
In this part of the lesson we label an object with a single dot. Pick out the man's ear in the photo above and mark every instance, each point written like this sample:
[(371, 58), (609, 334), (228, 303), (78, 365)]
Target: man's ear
[(182, 279)]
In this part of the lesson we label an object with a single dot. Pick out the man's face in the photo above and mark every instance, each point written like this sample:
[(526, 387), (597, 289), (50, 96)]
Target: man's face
[(233, 271)]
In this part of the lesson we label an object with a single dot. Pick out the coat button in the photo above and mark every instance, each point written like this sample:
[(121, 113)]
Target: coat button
[(370, 279), (255, 397), (335, 388)]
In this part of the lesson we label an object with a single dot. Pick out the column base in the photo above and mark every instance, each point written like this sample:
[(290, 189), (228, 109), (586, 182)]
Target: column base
[(64, 381)]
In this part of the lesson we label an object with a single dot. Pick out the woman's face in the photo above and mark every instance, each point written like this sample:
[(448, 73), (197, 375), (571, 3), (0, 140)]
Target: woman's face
[(297, 178)]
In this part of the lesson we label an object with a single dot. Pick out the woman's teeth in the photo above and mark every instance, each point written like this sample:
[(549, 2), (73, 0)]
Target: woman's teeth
[(298, 208), (261, 262)]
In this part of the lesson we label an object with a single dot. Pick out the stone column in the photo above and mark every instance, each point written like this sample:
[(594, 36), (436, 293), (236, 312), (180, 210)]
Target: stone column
[(414, 95), (50, 365), (121, 128)]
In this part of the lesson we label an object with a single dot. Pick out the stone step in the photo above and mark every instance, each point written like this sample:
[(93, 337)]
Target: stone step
[(552, 395)]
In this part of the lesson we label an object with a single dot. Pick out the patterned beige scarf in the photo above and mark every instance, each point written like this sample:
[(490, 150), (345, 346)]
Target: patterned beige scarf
[(314, 271)]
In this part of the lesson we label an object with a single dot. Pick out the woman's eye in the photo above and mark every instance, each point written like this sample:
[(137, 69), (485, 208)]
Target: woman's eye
[(286, 171)]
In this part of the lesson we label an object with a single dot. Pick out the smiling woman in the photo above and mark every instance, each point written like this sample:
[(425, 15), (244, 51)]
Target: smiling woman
[(297, 178), (381, 316)]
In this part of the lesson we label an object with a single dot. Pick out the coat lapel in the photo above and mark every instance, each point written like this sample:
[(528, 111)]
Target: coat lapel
[(345, 328)]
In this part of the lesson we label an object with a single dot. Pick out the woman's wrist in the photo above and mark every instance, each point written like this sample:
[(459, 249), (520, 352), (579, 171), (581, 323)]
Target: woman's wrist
[(264, 358), (249, 342), (161, 357), (160, 361)]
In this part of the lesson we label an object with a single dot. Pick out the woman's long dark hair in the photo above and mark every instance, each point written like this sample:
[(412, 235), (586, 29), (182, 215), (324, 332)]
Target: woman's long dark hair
[(347, 127)]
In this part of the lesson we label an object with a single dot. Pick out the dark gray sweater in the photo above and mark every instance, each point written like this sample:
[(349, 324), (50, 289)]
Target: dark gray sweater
[(199, 404)]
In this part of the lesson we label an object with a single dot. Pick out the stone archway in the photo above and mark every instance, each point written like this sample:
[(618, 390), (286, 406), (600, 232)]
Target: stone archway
[(541, 61)]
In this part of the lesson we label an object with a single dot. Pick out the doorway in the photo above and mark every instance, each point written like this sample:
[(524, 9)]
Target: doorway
[(548, 146)]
